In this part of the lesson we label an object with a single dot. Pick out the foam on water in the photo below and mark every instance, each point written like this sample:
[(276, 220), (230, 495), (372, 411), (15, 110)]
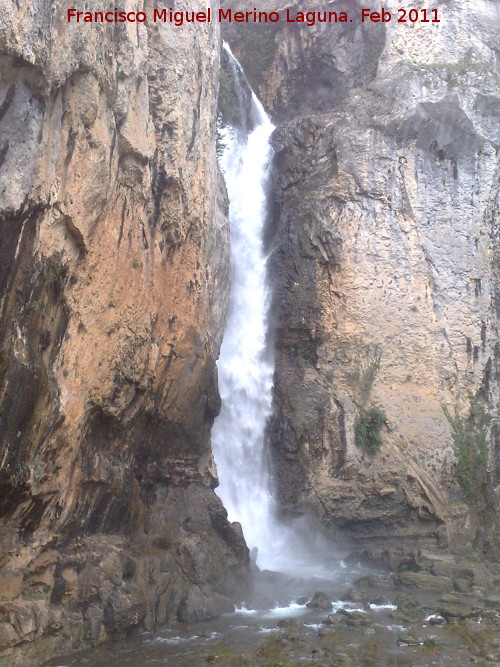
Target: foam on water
[(380, 607), (174, 640)]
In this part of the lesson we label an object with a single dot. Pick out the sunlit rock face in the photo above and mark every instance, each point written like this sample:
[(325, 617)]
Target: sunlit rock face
[(114, 277), (385, 265)]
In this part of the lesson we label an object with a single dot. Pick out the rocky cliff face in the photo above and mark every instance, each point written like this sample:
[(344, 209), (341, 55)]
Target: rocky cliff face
[(114, 286), (386, 268)]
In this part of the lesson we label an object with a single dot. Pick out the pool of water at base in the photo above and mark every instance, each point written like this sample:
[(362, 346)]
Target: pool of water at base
[(274, 597)]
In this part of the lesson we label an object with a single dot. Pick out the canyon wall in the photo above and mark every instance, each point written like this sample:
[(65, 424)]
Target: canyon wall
[(114, 276), (385, 262)]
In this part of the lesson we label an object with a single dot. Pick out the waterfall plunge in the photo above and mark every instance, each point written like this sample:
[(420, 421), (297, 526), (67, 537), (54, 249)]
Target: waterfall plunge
[(246, 364)]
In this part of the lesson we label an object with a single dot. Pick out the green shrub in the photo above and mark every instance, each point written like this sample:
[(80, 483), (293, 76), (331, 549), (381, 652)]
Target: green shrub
[(470, 445), (227, 101), (367, 429), (220, 144)]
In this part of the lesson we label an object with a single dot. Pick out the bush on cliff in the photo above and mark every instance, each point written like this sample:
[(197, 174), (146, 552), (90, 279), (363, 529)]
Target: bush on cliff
[(470, 444), (367, 429)]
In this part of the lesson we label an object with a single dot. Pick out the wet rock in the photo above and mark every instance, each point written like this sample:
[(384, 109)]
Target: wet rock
[(392, 559), (423, 581), (338, 618), (367, 581), (320, 601), (379, 600), (358, 619), (273, 577), (436, 619), (331, 619), (408, 640), (438, 562), (94, 618), (348, 618), (123, 612), (355, 595), (200, 605), (405, 601), (462, 611)]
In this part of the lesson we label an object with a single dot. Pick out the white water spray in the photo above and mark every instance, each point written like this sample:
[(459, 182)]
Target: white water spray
[(246, 364)]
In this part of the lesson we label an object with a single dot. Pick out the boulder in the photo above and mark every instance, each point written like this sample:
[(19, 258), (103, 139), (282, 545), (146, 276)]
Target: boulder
[(423, 581), (320, 601), (199, 605)]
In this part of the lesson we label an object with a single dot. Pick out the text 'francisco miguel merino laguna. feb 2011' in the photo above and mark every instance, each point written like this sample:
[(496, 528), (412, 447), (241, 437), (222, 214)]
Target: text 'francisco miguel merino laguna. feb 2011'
[(309, 18)]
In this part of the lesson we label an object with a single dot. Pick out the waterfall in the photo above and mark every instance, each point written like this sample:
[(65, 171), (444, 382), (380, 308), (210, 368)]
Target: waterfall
[(246, 364)]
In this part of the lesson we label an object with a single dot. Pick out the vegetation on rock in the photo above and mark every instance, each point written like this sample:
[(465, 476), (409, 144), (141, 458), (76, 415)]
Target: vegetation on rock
[(470, 445), (367, 429), (227, 101), (220, 144), (258, 52)]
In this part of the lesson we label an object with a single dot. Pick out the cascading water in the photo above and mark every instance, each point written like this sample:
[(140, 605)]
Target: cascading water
[(246, 363)]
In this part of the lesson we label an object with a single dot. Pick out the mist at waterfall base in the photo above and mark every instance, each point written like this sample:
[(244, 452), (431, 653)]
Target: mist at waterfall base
[(246, 366)]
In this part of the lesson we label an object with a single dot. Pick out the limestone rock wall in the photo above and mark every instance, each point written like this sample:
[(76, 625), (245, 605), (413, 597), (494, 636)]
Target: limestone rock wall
[(114, 277), (385, 228)]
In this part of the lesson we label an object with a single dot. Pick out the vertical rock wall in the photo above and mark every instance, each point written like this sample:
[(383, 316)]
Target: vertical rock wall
[(114, 286), (386, 265)]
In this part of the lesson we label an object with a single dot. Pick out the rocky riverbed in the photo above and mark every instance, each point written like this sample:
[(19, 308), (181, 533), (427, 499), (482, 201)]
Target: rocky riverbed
[(381, 607)]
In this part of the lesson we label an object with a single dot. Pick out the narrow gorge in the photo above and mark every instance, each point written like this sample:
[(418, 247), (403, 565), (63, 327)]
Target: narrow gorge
[(249, 345)]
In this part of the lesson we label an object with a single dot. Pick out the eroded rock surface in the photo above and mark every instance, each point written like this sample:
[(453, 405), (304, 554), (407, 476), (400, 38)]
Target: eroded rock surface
[(386, 264), (114, 286)]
